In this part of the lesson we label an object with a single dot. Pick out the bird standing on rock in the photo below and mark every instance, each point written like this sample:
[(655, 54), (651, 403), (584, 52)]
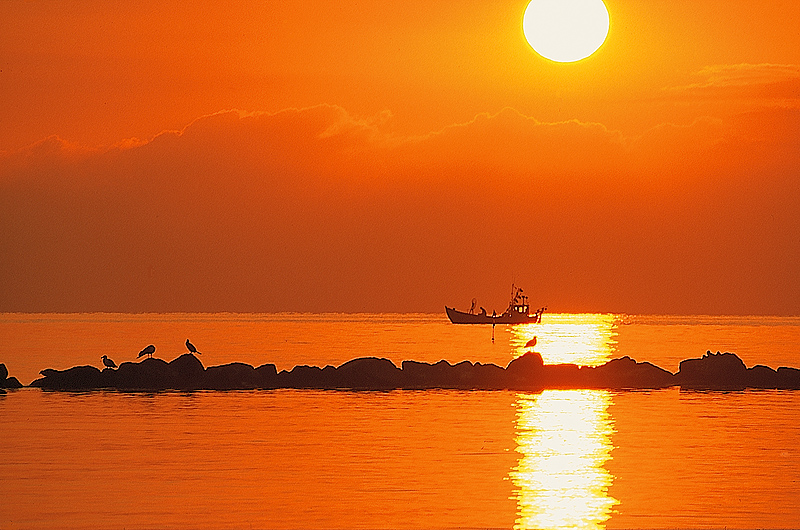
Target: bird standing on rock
[(150, 350), (108, 362), (191, 347)]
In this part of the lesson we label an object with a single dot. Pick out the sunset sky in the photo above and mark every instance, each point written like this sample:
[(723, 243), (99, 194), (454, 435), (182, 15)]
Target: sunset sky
[(397, 156)]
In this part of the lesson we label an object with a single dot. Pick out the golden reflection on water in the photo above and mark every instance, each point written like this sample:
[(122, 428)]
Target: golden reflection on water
[(586, 339), (564, 436)]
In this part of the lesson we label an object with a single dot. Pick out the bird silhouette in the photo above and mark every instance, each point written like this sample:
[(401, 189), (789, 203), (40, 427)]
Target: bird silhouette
[(150, 350), (108, 362), (191, 347)]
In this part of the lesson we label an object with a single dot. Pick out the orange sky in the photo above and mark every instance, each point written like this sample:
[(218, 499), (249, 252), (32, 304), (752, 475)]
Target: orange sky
[(397, 156)]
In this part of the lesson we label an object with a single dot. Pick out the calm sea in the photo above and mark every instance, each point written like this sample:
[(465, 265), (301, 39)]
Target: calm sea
[(287, 459)]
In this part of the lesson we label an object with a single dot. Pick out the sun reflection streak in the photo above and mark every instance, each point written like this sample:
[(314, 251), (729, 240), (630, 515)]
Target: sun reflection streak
[(587, 339), (564, 437)]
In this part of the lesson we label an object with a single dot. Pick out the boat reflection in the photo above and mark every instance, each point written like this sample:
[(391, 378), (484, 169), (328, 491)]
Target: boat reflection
[(564, 436)]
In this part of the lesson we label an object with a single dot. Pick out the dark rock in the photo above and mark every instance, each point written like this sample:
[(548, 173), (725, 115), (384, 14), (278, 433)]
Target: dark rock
[(564, 376), (75, 378), (417, 374), (714, 371), (328, 377), (7, 382), (788, 378), (304, 376), (463, 375), (109, 378), (186, 372), (11, 382), (369, 373), (526, 372), (760, 376), (466, 375), (627, 373), (426, 375), (488, 376), (267, 375), (150, 374), (231, 376)]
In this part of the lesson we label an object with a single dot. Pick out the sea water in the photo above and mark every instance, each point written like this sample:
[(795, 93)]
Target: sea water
[(285, 459)]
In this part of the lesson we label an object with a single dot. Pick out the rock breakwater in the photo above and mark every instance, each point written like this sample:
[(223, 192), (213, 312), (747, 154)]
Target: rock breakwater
[(713, 371)]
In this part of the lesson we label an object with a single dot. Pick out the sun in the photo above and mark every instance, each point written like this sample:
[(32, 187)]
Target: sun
[(565, 31)]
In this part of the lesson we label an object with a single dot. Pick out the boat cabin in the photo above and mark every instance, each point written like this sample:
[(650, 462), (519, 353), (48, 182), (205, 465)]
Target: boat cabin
[(519, 303)]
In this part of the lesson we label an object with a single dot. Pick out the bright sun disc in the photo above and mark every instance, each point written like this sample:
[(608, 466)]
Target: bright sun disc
[(565, 31)]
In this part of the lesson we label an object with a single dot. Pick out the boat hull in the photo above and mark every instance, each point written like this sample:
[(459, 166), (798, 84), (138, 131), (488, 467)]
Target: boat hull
[(459, 317)]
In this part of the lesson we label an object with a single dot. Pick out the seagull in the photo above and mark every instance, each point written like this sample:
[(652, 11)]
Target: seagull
[(150, 350), (191, 347), (108, 362)]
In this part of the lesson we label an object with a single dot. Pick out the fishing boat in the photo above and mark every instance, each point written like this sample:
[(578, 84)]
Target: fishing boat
[(518, 312)]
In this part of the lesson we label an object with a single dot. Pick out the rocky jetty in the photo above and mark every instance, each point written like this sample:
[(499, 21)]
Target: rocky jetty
[(726, 371), (720, 371), (6, 381)]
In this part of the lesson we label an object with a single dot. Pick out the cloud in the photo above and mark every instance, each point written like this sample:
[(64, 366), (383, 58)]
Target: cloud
[(50, 150), (681, 145), (779, 83), (316, 209), (513, 144), (748, 74)]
